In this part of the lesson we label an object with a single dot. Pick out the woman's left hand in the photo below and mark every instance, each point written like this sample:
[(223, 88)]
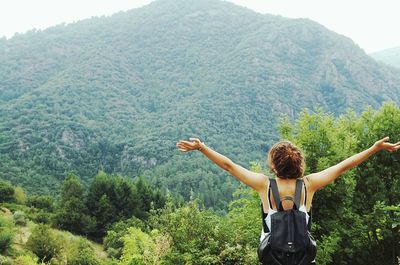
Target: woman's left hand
[(186, 146)]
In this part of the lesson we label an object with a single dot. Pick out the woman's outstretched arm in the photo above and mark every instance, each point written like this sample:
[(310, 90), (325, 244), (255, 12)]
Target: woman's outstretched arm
[(323, 178), (256, 181)]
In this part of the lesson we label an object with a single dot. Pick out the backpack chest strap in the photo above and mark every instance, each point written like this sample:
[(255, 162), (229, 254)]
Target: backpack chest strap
[(297, 196)]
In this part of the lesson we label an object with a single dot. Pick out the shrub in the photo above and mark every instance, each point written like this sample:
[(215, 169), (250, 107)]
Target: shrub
[(19, 218), (26, 260), (5, 222), (6, 239), (41, 202), (113, 242), (41, 217), (84, 255), (6, 261), (44, 243)]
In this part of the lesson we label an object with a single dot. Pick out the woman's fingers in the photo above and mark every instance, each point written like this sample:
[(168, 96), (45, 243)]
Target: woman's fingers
[(196, 140), (185, 146), (391, 147), (183, 149), (395, 146), (385, 139)]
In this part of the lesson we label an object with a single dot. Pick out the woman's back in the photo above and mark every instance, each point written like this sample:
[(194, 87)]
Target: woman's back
[(286, 188)]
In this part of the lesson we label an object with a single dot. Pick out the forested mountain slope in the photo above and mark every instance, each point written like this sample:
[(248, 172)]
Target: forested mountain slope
[(115, 93), (389, 56)]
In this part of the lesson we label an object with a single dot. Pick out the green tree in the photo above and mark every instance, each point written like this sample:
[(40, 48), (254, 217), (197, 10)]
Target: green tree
[(113, 241), (105, 214), (145, 193), (20, 195), (142, 248), (6, 192), (72, 214), (41, 202), (109, 200)]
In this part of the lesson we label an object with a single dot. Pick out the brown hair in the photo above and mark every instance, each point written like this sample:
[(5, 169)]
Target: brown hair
[(286, 160)]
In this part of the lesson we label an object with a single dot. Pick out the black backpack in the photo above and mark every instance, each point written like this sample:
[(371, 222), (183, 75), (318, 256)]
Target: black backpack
[(290, 241)]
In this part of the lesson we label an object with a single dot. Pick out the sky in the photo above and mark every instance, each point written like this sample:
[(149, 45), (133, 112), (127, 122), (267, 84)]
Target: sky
[(373, 25)]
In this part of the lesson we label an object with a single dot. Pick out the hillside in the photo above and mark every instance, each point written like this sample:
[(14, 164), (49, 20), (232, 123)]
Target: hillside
[(389, 56), (19, 251), (115, 93)]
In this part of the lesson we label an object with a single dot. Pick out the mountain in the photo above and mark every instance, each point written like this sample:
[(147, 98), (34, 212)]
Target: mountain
[(115, 93), (389, 56)]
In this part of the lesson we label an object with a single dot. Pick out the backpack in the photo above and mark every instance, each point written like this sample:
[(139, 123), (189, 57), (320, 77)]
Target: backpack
[(290, 241)]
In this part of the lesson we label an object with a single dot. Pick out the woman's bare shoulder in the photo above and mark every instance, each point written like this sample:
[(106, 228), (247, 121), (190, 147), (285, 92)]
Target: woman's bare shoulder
[(264, 183)]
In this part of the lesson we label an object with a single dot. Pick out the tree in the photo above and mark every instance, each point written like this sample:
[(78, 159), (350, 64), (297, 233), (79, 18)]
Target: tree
[(6, 192), (19, 195), (113, 241), (145, 198), (72, 215), (142, 248), (41, 202), (109, 200)]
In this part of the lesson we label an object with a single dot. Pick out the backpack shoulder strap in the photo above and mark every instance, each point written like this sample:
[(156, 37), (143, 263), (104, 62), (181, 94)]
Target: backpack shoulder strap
[(297, 195), (275, 194)]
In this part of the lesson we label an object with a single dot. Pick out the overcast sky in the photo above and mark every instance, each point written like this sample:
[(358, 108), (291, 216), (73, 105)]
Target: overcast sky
[(374, 25)]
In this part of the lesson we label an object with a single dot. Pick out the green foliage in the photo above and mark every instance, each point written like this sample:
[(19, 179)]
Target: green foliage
[(19, 218), (84, 255), (113, 241), (19, 195), (113, 198), (6, 192), (327, 246), (6, 239), (6, 234), (106, 199), (72, 214), (42, 208), (243, 211), (42, 217), (26, 260), (142, 248), (44, 243), (41, 202), (394, 213), (200, 236), (7, 261)]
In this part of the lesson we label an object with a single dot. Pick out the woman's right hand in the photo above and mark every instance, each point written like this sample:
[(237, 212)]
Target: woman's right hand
[(384, 145), (193, 144)]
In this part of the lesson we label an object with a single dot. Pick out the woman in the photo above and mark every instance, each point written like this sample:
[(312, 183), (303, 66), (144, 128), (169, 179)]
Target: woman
[(287, 162)]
